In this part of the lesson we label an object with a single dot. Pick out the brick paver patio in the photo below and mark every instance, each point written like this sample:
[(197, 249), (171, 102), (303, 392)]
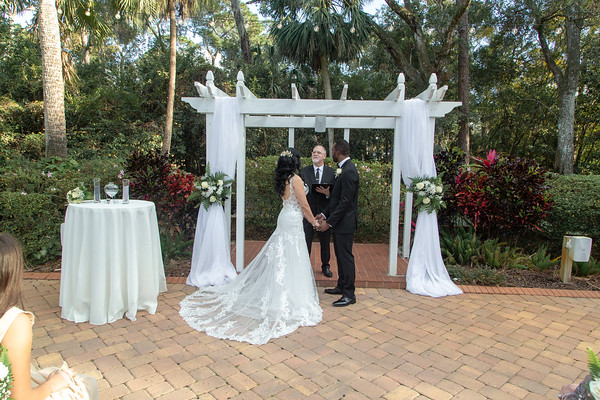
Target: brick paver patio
[(390, 345)]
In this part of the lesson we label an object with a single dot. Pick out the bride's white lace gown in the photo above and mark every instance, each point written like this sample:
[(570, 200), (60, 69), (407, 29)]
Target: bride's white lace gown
[(273, 296)]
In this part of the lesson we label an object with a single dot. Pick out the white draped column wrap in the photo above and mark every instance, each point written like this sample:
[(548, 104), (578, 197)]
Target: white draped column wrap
[(211, 257), (426, 275)]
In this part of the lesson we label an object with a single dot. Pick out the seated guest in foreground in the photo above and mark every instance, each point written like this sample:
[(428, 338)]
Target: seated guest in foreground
[(16, 336)]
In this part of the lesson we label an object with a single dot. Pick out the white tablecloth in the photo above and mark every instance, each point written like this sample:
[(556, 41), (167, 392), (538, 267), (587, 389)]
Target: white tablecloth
[(111, 261)]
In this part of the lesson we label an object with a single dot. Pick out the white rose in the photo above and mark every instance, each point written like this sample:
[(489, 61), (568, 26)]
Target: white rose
[(204, 185), (595, 389), (439, 189), (420, 185), (212, 199), (219, 190), (3, 371), (426, 200), (220, 182), (338, 172)]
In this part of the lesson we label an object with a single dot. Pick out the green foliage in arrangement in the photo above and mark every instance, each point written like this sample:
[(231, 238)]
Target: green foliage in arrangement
[(263, 205), (576, 208)]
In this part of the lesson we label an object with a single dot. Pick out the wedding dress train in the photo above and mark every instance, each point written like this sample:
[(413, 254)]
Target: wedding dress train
[(273, 296)]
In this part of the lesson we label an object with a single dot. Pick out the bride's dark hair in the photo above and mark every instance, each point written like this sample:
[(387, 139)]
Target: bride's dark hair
[(287, 165)]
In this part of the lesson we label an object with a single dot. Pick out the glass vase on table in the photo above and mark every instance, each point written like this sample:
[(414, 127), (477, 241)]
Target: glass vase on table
[(111, 191)]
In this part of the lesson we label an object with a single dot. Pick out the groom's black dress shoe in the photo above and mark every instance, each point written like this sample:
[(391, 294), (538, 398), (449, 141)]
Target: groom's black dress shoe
[(326, 271), (333, 291), (344, 301)]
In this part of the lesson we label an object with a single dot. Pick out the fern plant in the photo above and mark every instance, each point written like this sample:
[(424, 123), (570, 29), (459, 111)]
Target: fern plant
[(592, 267), (541, 260), (498, 255), (459, 246)]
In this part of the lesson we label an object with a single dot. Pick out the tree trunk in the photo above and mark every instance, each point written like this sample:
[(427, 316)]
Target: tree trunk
[(328, 96), (567, 91), (86, 42), (53, 83), (241, 28), (464, 135), (166, 146)]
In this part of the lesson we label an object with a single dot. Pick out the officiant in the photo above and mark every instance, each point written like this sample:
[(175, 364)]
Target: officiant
[(319, 178)]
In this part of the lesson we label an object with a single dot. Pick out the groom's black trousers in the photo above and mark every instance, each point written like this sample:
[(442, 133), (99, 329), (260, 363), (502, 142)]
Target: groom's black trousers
[(342, 245)]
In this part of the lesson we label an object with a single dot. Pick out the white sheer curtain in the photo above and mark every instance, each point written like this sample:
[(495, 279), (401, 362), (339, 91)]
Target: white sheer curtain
[(427, 274), (211, 257)]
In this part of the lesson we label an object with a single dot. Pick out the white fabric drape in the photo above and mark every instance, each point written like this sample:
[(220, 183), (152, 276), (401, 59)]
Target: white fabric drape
[(211, 257), (426, 274)]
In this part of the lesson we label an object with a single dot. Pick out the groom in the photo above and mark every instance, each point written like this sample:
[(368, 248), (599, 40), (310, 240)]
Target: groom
[(342, 216)]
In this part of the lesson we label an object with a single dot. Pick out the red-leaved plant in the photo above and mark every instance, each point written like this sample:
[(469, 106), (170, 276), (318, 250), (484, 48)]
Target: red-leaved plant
[(503, 193)]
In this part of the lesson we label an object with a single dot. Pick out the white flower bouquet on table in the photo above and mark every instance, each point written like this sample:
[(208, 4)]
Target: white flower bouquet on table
[(6, 377), (212, 189), (75, 196), (429, 192)]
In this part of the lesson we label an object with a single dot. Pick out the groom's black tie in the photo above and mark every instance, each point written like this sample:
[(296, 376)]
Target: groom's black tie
[(317, 175)]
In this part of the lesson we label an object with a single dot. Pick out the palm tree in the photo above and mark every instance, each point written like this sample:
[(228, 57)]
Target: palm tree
[(316, 32), (53, 84)]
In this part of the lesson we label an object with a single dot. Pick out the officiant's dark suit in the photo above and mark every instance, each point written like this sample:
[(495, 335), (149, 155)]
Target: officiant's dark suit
[(318, 202), (342, 216)]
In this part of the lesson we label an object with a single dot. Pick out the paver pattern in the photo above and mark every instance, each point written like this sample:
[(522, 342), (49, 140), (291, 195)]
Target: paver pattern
[(390, 345)]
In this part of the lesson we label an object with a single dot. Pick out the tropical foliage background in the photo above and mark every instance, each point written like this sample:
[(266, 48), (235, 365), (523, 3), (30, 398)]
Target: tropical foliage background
[(92, 88)]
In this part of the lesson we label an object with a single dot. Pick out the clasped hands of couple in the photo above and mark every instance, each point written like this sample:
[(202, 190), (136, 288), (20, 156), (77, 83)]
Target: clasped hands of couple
[(320, 224)]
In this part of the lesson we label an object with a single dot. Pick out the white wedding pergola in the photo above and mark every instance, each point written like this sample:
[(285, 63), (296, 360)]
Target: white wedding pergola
[(320, 115)]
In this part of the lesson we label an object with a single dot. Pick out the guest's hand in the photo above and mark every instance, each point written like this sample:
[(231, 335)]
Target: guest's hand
[(60, 379)]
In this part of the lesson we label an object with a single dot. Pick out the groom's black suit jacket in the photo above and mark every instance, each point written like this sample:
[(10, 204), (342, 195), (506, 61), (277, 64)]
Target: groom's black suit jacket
[(342, 213)]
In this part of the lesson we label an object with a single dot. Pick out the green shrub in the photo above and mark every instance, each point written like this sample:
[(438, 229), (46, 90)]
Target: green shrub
[(541, 260), (592, 267), (499, 255), (576, 208), (374, 199), (153, 178), (459, 246), (34, 220)]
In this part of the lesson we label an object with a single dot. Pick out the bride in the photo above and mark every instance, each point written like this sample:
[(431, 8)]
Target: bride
[(276, 292)]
